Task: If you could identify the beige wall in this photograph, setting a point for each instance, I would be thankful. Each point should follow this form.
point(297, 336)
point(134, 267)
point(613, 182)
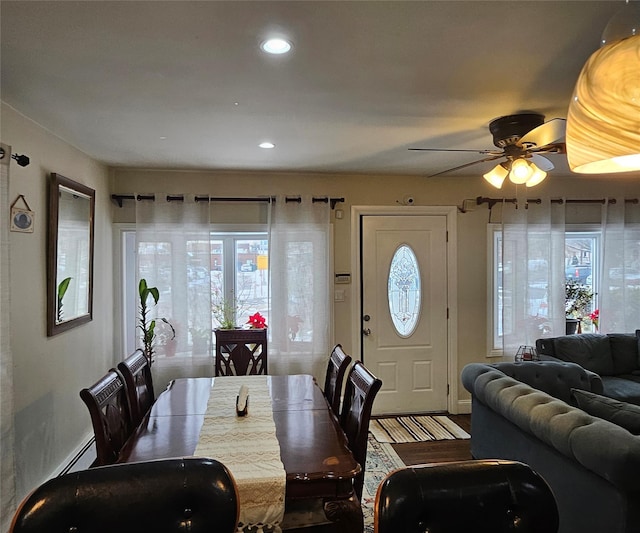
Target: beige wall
point(364, 190)
point(50, 419)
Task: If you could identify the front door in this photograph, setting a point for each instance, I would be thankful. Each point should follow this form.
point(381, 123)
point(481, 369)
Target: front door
point(404, 310)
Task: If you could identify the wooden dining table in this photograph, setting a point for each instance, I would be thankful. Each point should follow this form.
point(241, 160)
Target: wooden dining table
point(319, 466)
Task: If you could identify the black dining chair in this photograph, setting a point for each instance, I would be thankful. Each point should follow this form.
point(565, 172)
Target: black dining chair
point(359, 393)
point(164, 496)
point(110, 413)
point(488, 496)
point(337, 367)
point(136, 371)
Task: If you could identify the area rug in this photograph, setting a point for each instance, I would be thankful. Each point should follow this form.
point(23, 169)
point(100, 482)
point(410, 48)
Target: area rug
point(416, 429)
point(381, 459)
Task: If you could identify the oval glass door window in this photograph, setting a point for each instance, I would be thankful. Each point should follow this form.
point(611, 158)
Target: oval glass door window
point(404, 291)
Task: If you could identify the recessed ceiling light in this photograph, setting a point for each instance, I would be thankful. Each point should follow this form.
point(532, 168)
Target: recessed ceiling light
point(267, 145)
point(276, 46)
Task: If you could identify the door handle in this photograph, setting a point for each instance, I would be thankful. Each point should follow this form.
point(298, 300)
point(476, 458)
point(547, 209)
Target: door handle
point(366, 332)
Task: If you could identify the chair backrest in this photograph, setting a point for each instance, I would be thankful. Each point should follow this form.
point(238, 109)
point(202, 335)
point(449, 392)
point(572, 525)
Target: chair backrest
point(108, 406)
point(336, 369)
point(494, 496)
point(136, 372)
point(164, 496)
point(241, 352)
point(359, 393)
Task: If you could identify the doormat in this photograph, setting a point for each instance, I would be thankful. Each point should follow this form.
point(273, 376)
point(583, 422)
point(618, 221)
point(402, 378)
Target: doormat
point(381, 459)
point(416, 429)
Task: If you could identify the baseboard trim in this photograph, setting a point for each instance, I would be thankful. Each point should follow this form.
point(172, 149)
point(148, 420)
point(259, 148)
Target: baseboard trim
point(464, 407)
point(74, 457)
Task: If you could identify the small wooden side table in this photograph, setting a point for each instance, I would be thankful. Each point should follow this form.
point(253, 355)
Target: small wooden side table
point(241, 352)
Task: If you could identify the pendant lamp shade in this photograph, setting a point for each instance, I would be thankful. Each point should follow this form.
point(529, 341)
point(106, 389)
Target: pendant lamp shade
point(603, 121)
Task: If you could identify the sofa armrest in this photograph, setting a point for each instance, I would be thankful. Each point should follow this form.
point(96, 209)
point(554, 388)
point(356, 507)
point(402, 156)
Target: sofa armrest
point(600, 446)
point(553, 377)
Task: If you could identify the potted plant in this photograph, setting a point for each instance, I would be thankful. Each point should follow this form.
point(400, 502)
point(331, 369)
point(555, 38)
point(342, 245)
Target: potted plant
point(225, 311)
point(146, 324)
point(166, 337)
point(200, 339)
point(578, 298)
point(62, 290)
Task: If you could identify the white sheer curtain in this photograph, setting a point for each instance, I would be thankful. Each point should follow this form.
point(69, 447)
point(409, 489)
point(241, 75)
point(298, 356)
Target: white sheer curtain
point(619, 292)
point(7, 441)
point(533, 277)
point(300, 254)
point(174, 254)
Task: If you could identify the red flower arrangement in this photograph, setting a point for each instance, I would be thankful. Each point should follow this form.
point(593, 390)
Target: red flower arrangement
point(594, 317)
point(257, 321)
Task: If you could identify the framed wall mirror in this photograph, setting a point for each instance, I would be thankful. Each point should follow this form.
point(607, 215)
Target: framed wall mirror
point(69, 254)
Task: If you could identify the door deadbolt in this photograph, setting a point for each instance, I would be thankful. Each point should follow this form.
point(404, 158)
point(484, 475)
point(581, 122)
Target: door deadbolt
point(366, 318)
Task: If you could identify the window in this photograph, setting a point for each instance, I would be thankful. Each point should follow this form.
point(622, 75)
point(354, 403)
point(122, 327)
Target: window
point(189, 274)
point(404, 291)
point(580, 262)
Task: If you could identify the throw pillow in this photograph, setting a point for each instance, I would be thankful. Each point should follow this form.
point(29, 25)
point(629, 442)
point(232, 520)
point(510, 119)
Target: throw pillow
point(589, 350)
point(622, 414)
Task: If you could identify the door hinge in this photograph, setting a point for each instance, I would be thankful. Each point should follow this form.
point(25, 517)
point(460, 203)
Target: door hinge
point(447, 313)
point(447, 389)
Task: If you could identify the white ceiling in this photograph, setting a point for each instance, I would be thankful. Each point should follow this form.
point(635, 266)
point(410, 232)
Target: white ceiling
point(365, 81)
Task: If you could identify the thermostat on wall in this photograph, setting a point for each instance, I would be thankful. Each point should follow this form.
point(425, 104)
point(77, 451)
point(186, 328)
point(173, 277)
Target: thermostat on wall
point(343, 278)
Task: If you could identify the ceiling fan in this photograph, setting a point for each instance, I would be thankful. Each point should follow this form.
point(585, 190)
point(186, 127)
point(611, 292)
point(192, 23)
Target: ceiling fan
point(520, 140)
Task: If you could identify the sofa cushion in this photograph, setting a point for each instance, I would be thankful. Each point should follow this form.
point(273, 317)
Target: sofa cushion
point(590, 351)
point(624, 352)
point(620, 413)
point(625, 388)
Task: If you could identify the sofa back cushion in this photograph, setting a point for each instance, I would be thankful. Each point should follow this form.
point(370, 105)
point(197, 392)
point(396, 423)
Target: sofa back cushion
point(589, 350)
point(554, 378)
point(624, 352)
point(622, 414)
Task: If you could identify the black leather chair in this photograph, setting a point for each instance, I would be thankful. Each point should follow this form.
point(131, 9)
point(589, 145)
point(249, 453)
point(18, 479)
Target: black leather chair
point(483, 496)
point(136, 373)
point(336, 369)
point(110, 413)
point(360, 391)
point(166, 496)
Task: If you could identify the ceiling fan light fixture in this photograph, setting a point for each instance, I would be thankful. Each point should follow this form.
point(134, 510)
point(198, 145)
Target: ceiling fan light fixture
point(496, 176)
point(537, 177)
point(603, 120)
point(521, 171)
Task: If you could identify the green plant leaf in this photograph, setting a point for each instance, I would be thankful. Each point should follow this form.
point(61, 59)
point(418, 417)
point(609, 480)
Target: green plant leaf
point(62, 288)
point(153, 291)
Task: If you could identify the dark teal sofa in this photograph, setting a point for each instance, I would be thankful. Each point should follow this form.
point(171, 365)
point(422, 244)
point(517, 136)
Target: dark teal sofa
point(614, 357)
point(592, 465)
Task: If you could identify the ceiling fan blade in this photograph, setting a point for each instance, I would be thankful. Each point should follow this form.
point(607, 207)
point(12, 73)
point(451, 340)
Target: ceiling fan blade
point(492, 152)
point(548, 133)
point(542, 162)
point(491, 158)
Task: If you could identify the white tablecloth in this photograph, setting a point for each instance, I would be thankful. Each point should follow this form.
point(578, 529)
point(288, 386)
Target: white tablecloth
point(248, 447)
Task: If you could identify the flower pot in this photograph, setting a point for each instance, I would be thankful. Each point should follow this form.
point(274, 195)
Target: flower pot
point(573, 326)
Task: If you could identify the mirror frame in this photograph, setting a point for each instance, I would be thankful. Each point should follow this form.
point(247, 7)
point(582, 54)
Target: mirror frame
point(57, 181)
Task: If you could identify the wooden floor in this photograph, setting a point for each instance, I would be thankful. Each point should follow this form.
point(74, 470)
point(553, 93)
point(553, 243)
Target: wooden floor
point(441, 451)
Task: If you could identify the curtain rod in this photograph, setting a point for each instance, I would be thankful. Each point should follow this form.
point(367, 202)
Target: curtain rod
point(493, 201)
point(119, 198)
